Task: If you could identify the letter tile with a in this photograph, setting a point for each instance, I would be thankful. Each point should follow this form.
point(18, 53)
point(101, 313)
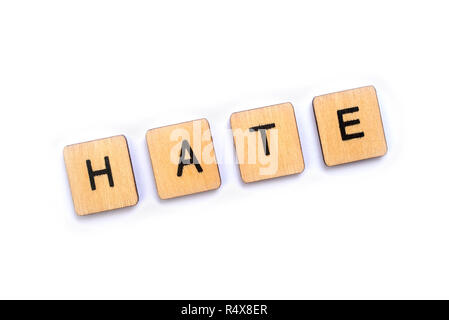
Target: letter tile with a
point(183, 159)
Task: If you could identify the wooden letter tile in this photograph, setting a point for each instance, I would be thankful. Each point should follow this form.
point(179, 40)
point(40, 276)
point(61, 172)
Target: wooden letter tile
point(267, 142)
point(100, 175)
point(350, 126)
point(183, 159)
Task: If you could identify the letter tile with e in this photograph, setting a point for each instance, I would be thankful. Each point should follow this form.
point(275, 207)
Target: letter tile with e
point(100, 175)
point(183, 159)
point(267, 142)
point(350, 125)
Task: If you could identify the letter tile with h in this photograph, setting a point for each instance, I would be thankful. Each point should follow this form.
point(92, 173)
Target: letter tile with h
point(100, 175)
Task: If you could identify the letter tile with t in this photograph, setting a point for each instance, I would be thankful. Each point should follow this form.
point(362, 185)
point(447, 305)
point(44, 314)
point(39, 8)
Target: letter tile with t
point(183, 159)
point(267, 142)
point(100, 175)
point(350, 126)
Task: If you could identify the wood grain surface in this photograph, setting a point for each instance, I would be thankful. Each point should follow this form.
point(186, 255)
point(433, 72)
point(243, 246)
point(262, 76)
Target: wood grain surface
point(350, 125)
point(103, 196)
point(284, 154)
point(165, 144)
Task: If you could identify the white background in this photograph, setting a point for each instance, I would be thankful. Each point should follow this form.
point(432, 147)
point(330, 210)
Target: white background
point(72, 71)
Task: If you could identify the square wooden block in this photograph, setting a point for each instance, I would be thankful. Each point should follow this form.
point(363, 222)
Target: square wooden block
point(183, 159)
point(267, 142)
point(350, 125)
point(100, 175)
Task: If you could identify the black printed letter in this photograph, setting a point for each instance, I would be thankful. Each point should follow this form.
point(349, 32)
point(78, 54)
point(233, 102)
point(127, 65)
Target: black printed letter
point(343, 124)
point(263, 135)
point(93, 174)
point(184, 162)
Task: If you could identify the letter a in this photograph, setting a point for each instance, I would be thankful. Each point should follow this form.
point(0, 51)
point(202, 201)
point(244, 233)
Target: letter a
point(185, 162)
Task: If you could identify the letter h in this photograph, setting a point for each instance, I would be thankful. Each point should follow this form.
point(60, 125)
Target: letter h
point(93, 174)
